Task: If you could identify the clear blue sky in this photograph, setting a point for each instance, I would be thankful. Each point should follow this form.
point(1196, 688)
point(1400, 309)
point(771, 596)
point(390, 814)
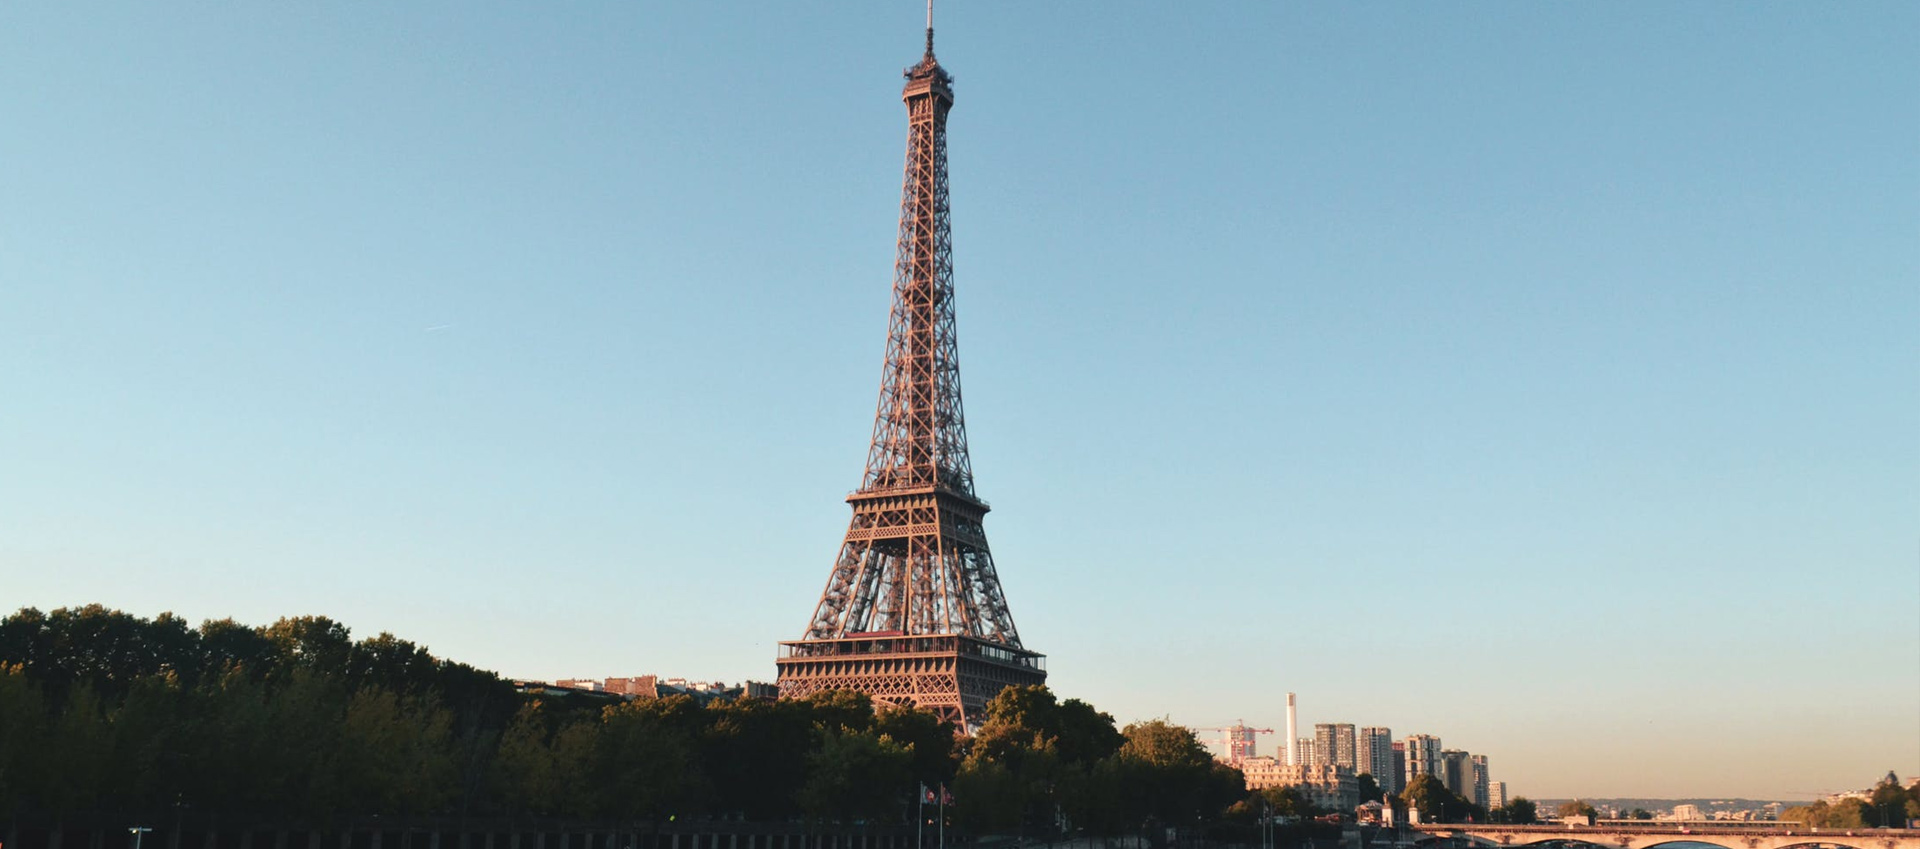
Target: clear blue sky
point(1540, 376)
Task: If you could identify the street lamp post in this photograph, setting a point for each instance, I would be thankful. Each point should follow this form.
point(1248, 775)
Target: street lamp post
point(138, 832)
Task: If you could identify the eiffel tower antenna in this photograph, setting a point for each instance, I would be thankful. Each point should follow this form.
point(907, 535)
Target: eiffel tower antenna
point(913, 612)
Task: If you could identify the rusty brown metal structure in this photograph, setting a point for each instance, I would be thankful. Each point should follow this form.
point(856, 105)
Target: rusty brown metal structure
point(913, 612)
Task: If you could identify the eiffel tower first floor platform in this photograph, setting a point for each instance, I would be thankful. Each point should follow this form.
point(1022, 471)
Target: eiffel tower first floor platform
point(951, 675)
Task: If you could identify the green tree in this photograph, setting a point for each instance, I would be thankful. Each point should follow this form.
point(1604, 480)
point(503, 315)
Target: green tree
point(1576, 808)
point(1020, 738)
point(1223, 785)
point(1247, 810)
point(23, 639)
point(1291, 801)
point(294, 728)
point(1436, 803)
point(392, 663)
point(232, 737)
point(1018, 720)
point(524, 776)
point(576, 789)
point(844, 709)
point(79, 746)
point(858, 775)
point(23, 722)
point(150, 747)
point(482, 705)
point(313, 642)
point(1369, 788)
point(756, 750)
point(648, 761)
point(1887, 804)
point(1165, 745)
point(1428, 797)
point(295, 722)
point(1174, 779)
point(1640, 814)
point(106, 648)
point(1085, 734)
point(1521, 811)
point(1851, 812)
point(395, 753)
point(226, 644)
point(929, 738)
point(988, 797)
point(1814, 815)
point(1098, 803)
point(231, 719)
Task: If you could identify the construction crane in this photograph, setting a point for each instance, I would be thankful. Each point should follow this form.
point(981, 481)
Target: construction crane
point(1238, 740)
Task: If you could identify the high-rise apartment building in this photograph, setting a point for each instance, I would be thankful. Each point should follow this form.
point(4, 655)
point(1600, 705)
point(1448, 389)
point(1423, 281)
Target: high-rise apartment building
point(1481, 792)
point(1240, 743)
point(1333, 744)
point(1456, 772)
point(1496, 794)
point(1423, 756)
point(1400, 766)
point(1304, 752)
point(1375, 755)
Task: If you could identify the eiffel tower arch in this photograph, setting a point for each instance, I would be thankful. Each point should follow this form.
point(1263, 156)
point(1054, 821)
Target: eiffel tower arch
point(913, 612)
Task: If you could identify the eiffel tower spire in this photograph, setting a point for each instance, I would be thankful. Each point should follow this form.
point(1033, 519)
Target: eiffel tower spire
point(919, 432)
point(913, 612)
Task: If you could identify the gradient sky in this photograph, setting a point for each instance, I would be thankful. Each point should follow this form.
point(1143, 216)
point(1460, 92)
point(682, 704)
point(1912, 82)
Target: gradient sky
point(1540, 376)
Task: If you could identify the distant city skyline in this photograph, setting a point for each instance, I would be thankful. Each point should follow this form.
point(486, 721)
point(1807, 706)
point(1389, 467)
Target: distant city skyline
point(1536, 377)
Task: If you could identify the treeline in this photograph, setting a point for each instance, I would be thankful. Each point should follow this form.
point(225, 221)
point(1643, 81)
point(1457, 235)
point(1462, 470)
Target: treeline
point(1430, 796)
point(111, 717)
point(1888, 805)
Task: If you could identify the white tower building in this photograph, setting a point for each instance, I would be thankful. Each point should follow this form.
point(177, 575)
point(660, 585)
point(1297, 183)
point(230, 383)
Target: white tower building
point(1293, 733)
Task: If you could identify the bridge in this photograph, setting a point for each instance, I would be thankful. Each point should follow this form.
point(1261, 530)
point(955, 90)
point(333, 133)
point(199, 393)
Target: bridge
point(1728, 835)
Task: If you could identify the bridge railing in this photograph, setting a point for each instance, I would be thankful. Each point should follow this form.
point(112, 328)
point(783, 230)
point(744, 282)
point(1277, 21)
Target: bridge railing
point(1732, 824)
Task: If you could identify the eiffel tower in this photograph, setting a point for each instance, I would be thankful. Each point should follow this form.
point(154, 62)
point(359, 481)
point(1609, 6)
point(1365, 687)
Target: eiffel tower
point(913, 612)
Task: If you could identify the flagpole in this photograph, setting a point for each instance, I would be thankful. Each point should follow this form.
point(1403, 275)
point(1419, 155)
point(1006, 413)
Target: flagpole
point(920, 819)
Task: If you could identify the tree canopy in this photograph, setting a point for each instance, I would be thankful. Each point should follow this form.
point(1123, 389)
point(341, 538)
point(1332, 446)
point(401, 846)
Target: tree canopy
point(104, 711)
point(1519, 810)
point(1369, 788)
point(1888, 805)
point(1436, 803)
point(1043, 767)
point(1576, 808)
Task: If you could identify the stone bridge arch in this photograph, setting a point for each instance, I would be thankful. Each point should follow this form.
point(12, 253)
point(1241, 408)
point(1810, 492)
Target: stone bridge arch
point(1506, 840)
point(1721, 840)
point(1837, 842)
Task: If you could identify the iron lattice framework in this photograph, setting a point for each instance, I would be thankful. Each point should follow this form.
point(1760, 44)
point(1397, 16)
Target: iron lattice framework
point(913, 612)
